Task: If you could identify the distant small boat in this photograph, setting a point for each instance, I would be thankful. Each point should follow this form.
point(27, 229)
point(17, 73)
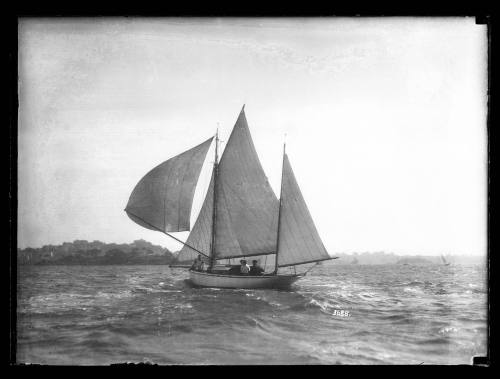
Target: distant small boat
point(444, 261)
point(240, 217)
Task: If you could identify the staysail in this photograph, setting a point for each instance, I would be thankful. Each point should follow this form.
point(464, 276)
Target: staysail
point(201, 235)
point(298, 239)
point(163, 197)
point(247, 208)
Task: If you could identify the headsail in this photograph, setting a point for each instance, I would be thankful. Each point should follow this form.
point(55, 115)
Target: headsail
point(247, 208)
point(298, 240)
point(201, 235)
point(163, 197)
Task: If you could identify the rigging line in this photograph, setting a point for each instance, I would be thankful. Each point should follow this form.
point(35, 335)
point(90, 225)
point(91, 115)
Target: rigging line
point(303, 263)
point(310, 268)
point(164, 232)
point(245, 255)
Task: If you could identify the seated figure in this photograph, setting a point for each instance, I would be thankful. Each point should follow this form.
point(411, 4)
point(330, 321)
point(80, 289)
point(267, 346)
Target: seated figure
point(256, 269)
point(244, 268)
point(198, 264)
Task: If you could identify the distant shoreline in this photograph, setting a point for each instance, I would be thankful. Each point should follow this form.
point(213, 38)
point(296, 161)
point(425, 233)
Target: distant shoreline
point(144, 253)
point(92, 264)
point(96, 253)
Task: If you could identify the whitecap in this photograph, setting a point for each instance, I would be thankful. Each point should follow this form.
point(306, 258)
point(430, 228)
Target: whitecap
point(183, 306)
point(448, 330)
point(412, 289)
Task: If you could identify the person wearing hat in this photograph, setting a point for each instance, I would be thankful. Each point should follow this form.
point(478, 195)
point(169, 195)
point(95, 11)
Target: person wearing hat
point(244, 268)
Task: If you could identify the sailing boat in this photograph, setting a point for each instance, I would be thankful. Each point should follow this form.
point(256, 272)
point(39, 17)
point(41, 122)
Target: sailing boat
point(444, 260)
point(240, 216)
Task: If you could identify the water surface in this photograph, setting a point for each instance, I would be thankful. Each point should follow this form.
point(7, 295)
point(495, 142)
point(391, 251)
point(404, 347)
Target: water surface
point(392, 314)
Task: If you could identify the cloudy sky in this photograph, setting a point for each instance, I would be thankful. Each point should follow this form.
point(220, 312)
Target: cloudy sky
point(385, 122)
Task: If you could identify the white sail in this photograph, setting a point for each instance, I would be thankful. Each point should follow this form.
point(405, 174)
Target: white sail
point(163, 197)
point(240, 213)
point(201, 235)
point(247, 208)
point(298, 240)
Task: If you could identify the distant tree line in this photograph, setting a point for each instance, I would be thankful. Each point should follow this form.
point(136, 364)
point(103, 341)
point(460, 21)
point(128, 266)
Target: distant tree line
point(81, 252)
point(382, 257)
point(140, 252)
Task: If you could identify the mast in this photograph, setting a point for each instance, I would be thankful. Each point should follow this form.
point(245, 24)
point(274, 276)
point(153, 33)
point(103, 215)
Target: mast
point(279, 214)
point(214, 208)
point(239, 214)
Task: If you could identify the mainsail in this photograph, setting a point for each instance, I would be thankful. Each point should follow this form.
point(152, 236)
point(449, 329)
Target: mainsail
point(298, 239)
point(247, 208)
point(163, 197)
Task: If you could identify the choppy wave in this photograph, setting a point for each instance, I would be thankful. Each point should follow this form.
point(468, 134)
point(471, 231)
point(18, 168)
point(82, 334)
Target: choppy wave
point(335, 315)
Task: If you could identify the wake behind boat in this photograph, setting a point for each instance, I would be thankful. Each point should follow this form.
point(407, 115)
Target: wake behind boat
point(240, 217)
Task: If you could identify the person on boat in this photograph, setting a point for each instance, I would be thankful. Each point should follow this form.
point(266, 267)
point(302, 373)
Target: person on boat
point(198, 264)
point(244, 268)
point(256, 269)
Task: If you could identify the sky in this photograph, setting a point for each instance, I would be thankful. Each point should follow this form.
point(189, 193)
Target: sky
point(385, 122)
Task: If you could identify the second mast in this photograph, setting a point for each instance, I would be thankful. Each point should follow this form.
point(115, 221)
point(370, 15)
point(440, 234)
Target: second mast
point(214, 208)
